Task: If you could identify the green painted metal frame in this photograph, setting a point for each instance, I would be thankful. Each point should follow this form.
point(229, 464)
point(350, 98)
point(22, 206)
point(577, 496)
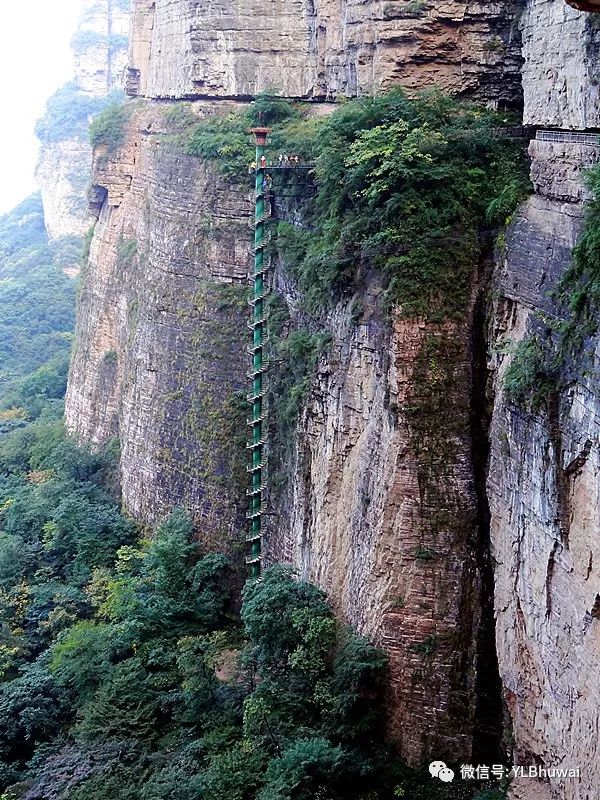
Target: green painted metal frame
point(257, 397)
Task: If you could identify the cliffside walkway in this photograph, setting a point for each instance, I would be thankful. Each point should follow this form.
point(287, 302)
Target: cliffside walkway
point(573, 137)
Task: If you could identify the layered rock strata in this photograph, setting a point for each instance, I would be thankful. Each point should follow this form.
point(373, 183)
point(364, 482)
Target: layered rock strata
point(159, 360)
point(382, 511)
point(100, 45)
point(542, 485)
point(561, 70)
point(544, 498)
point(317, 49)
point(63, 171)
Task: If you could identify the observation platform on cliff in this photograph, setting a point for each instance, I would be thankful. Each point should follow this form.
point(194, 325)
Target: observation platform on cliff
point(283, 167)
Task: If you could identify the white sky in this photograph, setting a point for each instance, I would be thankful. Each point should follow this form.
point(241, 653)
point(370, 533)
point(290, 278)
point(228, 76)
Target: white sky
point(35, 60)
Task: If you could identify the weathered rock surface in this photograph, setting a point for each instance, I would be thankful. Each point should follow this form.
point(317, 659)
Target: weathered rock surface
point(381, 511)
point(159, 354)
point(64, 166)
point(545, 500)
point(561, 71)
point(62, 173)
point(100, 45)
point(321, 49)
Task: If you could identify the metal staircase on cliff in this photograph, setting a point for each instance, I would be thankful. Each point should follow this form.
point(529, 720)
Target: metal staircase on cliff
point(257, 398)
point(257, 375)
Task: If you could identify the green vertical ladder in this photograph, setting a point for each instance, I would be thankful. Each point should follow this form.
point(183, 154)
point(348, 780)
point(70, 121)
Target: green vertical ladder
point(257, 397)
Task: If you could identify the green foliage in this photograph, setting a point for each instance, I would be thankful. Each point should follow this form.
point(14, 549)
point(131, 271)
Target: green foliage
point(287, 640)
point(579, 289)
point(405, 185)
point(37, 311)
point(180, 117)
point(415, 7)
point(532, 374)
point(227, 140)
point(298, 354)
point(427, 647)
point(126, 251)
point(108, 128)
point(424, 554)
point(305, 769)
point(127, 695)
point(68, 112)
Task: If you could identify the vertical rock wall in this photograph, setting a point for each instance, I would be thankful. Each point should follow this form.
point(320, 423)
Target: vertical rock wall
point(159, 352)
point(543, 473)
point(319, 49)
point(381, 510)
point(64, 166)
point(100, 45)
point(62, 173)
point(561, 70)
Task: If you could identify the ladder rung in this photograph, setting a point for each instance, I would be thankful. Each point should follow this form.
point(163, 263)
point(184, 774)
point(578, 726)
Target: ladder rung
point(258, 371)
point(256, 395)
point(261, 442)
point(254, 323)
point(252, 492)
point(257, 512)
point(252, 301)
point(256, 347)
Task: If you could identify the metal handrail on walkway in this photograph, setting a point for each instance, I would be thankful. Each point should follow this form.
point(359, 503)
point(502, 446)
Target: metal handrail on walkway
point(574, 137)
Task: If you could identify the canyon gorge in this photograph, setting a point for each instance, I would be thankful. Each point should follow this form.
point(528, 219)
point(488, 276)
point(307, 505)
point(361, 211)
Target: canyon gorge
point(453, 526)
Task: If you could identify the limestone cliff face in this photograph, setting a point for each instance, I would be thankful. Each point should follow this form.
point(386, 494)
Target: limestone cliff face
point(100, 45)
point(159, 355)
point(544, 500)
point(321, 49)
point(62, 173)
point(64, 165)
point(561, 71)
point(382, 511)
point(543, 472)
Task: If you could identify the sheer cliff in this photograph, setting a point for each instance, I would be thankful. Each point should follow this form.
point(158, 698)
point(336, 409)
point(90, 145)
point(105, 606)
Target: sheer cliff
point(160, 357)
point(408, 454)
point(542, 482)
point(165, 52)
point(319, 49)
point(64, 167)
